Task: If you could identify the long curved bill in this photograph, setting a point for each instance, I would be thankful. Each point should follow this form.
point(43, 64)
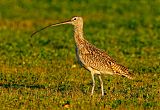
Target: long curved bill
point(66, 22)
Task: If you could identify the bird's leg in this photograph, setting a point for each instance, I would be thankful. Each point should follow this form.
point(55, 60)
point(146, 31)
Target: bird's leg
point(101, 84)
point(93, 83)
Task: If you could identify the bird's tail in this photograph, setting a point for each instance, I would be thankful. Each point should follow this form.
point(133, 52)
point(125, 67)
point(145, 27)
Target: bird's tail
point(123, 71)
point(129, 75)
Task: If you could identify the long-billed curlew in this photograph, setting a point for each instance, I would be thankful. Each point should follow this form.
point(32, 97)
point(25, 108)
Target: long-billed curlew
point(93, 59)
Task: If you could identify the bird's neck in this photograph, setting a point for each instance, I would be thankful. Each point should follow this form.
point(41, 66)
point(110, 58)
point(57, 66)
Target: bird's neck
point(78, 35)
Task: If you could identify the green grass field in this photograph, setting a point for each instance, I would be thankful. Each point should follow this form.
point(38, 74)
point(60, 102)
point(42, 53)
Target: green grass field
point(46, 75)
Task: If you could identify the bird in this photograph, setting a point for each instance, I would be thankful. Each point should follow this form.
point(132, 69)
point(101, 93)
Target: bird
point(95, 60)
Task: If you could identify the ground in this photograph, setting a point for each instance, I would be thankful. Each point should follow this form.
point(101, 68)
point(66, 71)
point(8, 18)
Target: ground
point(42, 72)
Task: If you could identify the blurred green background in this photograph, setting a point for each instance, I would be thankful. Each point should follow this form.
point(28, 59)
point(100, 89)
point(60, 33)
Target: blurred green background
point(42, 72)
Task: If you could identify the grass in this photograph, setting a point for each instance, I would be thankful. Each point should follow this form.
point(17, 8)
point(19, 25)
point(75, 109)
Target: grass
point(46, 75)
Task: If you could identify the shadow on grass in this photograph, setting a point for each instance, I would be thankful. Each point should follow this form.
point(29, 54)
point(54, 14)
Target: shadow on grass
point(36, 86)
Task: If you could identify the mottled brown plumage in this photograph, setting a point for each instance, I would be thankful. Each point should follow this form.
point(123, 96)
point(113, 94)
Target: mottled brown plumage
point(95, 60)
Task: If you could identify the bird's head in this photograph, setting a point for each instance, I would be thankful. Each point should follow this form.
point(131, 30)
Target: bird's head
point(76, 21)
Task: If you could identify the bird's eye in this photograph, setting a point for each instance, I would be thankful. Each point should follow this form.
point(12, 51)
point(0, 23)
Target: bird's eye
point(74, 19)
